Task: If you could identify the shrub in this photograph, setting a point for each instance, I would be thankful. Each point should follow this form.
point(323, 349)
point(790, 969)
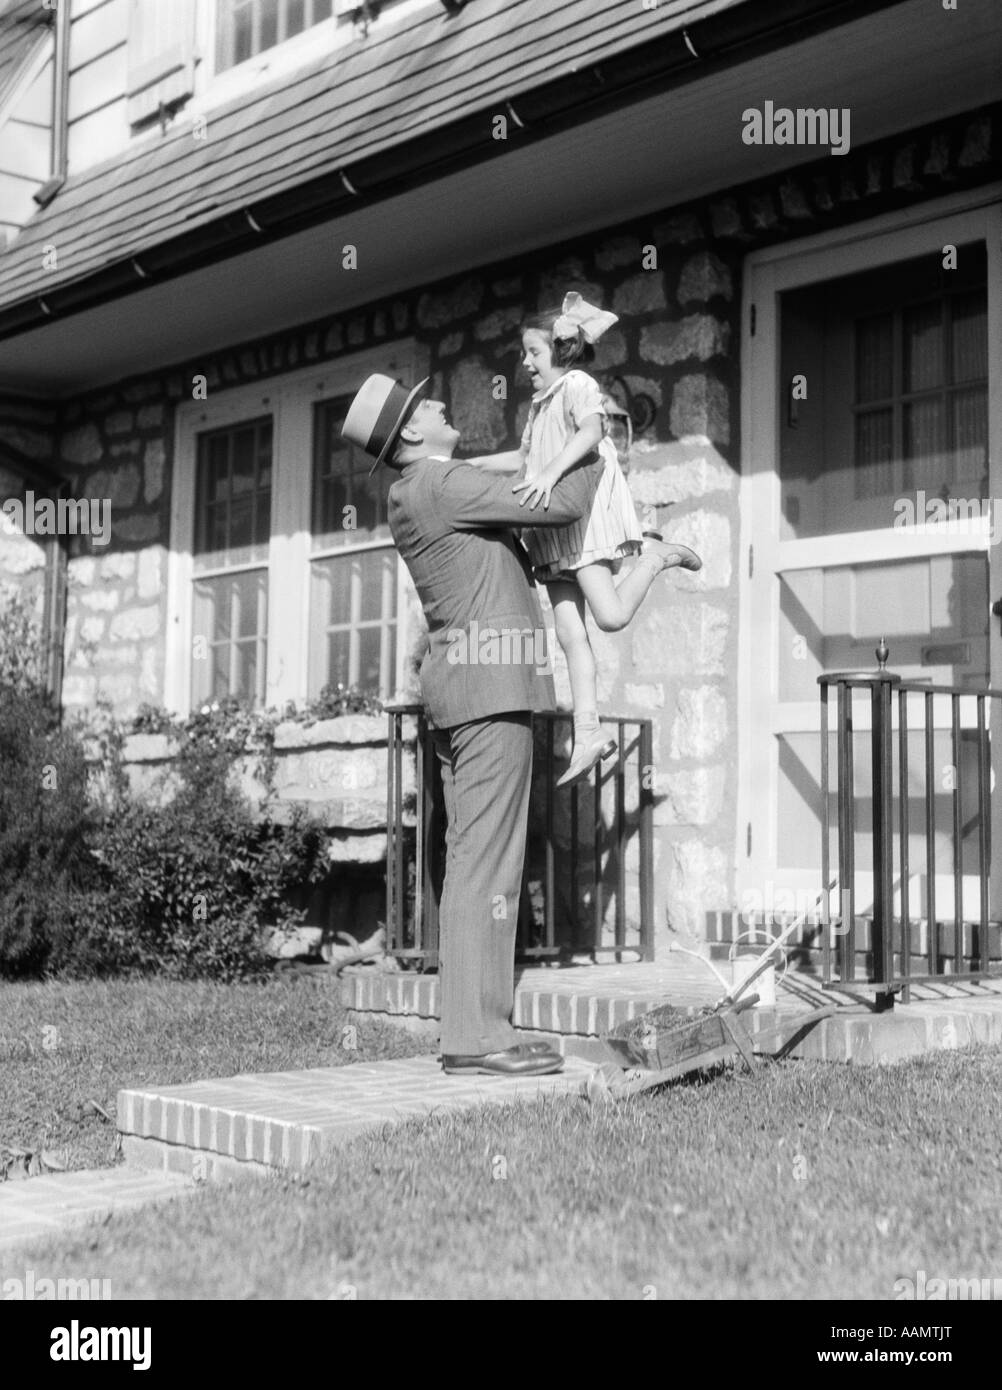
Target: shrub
point(190, 889)
point(44, 809)
point(22, 649)
point(335, 700)
point(194, 888)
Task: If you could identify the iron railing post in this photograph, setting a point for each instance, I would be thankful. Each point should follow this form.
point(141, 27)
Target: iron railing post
point(826, 922)
point(883, 828)
point(646, 795)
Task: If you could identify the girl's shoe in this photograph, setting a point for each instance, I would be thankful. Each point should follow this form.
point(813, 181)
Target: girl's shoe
point(585, 755)
point(673, 555)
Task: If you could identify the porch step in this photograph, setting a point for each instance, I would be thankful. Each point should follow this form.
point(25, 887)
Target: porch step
point(575, 1006)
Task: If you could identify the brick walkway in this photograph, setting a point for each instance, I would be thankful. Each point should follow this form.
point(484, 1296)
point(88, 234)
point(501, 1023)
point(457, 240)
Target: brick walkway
point(246, 1124)
point(46, 1205)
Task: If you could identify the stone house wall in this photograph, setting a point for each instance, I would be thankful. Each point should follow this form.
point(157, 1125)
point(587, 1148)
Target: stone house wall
point(677, 343)
point(27, 435)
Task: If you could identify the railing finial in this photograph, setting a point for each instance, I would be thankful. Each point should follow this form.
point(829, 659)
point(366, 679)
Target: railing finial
point(882, 653)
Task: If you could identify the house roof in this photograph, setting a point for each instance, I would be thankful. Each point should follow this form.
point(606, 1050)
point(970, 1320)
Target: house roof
point(24, 26)
point(398, 85)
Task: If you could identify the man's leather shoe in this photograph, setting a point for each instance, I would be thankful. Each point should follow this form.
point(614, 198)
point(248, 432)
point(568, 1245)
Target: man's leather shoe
point(524, 1059)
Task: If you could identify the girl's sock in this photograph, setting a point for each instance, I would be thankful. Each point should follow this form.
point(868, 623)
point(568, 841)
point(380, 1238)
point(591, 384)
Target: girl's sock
point(585, 725)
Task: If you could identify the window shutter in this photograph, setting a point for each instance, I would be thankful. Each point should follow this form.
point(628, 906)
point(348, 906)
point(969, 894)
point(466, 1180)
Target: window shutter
point(161, 55)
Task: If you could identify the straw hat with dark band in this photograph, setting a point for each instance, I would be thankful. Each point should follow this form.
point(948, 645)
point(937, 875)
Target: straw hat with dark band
point(378, 414)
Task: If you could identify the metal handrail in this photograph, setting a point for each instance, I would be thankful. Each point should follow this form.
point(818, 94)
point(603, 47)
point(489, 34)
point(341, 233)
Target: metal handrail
point(891, 931)
point(413, 934)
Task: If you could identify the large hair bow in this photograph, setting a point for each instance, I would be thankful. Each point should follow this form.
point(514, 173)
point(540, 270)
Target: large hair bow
point(576, 313)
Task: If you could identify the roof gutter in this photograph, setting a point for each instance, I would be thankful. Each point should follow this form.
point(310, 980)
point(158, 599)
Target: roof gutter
point(730, 37)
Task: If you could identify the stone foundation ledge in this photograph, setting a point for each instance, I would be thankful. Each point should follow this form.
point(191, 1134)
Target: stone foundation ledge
point(334, 768)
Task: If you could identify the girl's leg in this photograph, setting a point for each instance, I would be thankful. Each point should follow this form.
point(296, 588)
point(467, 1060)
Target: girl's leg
point(613, 605)
point(590, 743)
point(569, 621)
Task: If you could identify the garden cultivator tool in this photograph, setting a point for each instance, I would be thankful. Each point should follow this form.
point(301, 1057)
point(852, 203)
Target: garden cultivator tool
point(667, 1042)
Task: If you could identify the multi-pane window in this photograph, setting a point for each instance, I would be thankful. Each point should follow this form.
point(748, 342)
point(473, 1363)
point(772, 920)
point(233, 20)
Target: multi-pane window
point(353, 585)
point(921, 411)
point(232, 532)
point(885, 385)
point(248, 27)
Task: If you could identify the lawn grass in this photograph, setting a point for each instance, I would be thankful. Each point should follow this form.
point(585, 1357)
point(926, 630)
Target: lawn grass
point(65, 1047)
point(805, 1181)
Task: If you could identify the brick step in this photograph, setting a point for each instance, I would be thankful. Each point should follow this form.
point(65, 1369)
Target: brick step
point(249, 1125)
point(575, 1007)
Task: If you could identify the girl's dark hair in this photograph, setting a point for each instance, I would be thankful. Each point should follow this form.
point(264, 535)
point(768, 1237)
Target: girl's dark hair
point(565, 352)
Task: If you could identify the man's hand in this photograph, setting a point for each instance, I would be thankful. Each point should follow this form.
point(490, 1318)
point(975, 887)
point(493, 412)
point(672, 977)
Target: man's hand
point(539, 489)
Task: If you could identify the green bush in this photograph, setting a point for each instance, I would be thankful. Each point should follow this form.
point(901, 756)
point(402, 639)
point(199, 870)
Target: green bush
point(45, 813)
point(193, 889)
point(189, 889)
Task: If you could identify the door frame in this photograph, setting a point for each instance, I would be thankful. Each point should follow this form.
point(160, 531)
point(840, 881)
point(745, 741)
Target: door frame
point(972, 215)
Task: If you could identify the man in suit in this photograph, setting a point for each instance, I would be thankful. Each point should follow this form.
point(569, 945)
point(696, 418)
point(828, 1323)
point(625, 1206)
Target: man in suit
point(481, 679)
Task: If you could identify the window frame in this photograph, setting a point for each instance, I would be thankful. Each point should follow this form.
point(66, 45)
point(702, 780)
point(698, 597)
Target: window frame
point(290, 400)
point(216, 86)
point(224, 21)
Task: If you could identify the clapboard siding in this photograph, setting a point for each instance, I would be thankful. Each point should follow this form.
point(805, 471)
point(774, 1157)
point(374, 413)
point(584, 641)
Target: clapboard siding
point(35, 106)
point(83, 7)
point(97, 32)
point(98, 126)
point(25, 145)
point(24, 150)
point(97, 85)
point(92, 137)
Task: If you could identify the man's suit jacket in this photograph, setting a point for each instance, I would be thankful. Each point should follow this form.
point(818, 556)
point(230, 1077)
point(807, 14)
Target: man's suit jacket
point(452, 523)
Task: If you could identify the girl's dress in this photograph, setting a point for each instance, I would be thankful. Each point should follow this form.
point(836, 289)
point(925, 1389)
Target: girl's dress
point(612, 530)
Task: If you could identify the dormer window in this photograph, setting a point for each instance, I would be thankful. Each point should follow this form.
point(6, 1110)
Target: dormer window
point(248, 27)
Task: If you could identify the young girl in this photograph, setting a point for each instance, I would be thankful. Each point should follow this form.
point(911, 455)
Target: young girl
point(566, 423)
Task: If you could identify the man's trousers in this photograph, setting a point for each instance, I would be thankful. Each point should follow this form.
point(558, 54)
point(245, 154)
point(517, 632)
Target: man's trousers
point(486, 773)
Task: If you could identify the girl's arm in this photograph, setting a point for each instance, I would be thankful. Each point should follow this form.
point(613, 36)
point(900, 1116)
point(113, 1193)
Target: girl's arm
point(583, 442)
point(510, 462)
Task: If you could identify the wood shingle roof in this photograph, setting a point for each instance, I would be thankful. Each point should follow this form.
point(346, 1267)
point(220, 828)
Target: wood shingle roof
point(401, 83)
